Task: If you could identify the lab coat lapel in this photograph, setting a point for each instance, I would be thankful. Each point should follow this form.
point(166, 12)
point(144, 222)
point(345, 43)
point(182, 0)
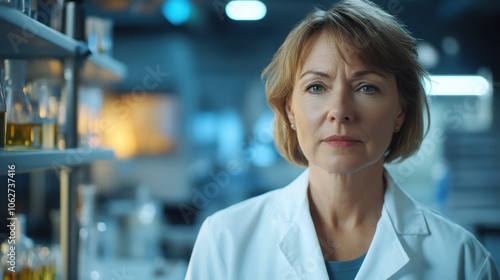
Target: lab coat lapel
point(299, 244)
point(301, 248)
point(400, 216)
point(386, 255)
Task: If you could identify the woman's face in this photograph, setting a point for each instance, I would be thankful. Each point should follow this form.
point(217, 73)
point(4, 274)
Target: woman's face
point(345, 113)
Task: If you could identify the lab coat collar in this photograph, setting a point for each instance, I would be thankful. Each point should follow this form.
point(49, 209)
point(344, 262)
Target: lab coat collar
point(405, 213)
point(300, 246)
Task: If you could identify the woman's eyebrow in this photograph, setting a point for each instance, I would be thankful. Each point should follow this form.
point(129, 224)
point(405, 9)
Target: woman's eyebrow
point(355, 75)
point(367, 72)
point(316, 73)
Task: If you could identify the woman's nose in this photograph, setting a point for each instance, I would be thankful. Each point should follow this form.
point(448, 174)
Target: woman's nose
point(340, 106)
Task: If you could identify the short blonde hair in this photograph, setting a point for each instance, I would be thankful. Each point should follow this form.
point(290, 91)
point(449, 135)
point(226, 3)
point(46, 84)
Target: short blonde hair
point(380, 41)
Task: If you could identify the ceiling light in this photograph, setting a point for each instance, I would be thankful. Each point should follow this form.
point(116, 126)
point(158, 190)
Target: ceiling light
point(176, 12)
point(457, 85)
point(246, 10)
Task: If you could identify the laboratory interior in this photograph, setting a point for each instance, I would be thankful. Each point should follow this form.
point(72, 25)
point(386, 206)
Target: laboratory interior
point(135, 120)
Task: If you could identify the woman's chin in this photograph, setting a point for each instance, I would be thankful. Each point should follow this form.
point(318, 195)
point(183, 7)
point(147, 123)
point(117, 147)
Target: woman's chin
point(343, 166)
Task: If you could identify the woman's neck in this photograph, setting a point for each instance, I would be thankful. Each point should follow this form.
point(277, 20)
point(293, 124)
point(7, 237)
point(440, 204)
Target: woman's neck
point(346, 201)
point(345, 209)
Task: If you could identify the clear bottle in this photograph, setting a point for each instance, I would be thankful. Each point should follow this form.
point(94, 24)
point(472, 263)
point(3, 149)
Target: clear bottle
point(87, 233)
point(22, 130)
point(144, 226)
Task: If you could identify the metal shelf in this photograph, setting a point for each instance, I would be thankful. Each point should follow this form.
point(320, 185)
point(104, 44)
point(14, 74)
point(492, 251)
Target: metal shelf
point(24, 38)
point(26, 161)
point(103, 70)
point(97, 70)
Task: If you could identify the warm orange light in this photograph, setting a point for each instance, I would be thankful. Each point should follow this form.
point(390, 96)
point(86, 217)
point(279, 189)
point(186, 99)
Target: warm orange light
point(140, 125)
point(123, 141)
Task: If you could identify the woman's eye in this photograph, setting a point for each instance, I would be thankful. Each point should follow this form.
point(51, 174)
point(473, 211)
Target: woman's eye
point(368, 89)
point(315, 88)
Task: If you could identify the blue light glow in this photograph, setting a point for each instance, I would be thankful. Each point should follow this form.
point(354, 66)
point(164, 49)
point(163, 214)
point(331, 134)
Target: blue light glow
point(177, 12)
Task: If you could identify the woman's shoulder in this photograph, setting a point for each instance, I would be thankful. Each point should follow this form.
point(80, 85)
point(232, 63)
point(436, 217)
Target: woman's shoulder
point(433, 228)
point(242, 224)
point(449, 231)
point(456, 244)
point(433, 238)
point(408, 212)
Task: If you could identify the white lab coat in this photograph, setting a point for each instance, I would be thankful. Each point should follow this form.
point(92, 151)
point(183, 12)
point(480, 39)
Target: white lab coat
point(272, 236)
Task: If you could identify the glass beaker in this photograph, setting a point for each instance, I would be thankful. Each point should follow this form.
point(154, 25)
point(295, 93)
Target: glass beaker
point(46, 95)
point(22, 129)
point(90, 102)
point(42, 263)
point(99, 33)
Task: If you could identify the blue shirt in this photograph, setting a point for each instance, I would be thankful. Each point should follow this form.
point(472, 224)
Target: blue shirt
point(344, 270)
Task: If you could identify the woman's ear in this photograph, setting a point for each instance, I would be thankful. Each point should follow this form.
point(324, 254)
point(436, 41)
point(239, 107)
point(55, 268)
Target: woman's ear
point(400, 117)
point(289, 111)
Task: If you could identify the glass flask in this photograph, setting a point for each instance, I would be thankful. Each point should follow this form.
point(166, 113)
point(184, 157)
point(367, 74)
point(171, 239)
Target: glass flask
point(23, 132)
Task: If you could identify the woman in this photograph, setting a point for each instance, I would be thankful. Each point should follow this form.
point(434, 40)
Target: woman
point(346, 90)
